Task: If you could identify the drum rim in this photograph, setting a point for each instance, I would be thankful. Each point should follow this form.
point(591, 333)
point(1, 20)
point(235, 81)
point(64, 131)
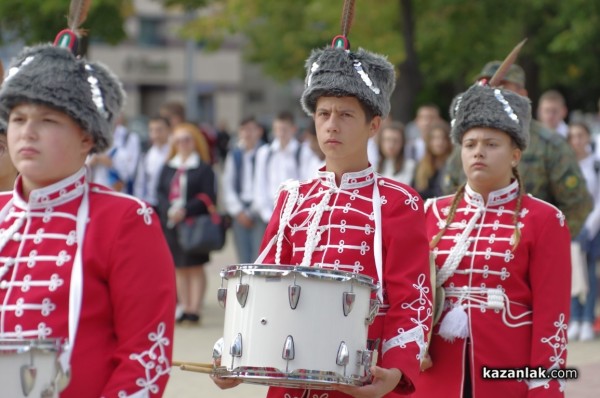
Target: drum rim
point(21, 346)
point(307, 272)
point(299, 378)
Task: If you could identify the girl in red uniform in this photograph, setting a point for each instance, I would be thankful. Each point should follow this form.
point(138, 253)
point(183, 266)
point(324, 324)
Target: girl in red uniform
point(502, 259)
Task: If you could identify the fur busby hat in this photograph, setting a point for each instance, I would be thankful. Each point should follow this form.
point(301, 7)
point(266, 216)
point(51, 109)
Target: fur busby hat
point(338, 72)
point(54, 76)
point(486, 105)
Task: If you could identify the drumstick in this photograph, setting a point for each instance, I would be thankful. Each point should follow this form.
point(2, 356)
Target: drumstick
point(196, 364)
point(196, 368)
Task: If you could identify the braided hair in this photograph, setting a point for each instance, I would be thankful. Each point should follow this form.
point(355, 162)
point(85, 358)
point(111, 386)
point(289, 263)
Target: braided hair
point(459, 195)
point(517, 232)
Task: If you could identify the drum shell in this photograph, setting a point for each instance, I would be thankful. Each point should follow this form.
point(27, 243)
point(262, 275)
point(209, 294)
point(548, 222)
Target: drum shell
point(16, 356)
point(317, 326)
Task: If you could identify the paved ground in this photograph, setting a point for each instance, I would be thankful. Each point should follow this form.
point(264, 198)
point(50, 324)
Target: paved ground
point(194, 344)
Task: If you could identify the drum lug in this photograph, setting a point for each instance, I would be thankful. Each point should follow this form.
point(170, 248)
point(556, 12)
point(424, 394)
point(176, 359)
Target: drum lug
point(348, 302)
point(236, 347)
point(343, 355)
point(294, 295)
point(289, 350)
point(218, 349)
point(365, 358)
point(373, 310)
point(222, 296)
point(241, 292)
point(28, 376)
point(62, 378)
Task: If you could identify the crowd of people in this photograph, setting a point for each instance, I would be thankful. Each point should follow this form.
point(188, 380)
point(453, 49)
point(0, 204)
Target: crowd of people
point(498, 202)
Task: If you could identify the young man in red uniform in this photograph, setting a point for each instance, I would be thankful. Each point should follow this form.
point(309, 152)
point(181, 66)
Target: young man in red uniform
point(351, 219)
point(78, 261)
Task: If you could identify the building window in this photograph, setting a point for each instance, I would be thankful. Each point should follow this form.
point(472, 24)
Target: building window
point(151, 32)
point(206, 108)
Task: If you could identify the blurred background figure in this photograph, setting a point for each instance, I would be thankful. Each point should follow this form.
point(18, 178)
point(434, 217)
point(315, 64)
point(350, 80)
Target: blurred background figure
point(583, 311)
point(116, 168)
point(313, 157)
point(238, 190)
point(393, 162)
point(275, 163)
point(415, 130)
point(146, 182)
point(429, 170)
point(175, 112)
point(223, 140)
point(8, 172)
point(186, 174)
point(552, 111)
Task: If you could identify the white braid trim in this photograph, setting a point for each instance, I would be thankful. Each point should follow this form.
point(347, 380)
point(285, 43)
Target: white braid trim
point(415, 334)
point(457, 253)
point(292, 187)
point(312, 234)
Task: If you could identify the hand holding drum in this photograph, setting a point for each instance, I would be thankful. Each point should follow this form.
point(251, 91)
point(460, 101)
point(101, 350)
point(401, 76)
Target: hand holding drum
point(384, 381)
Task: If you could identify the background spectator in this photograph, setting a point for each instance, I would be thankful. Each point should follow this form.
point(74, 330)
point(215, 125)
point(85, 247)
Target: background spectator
point(429, 171)
point(186, 175)
point(393, 162)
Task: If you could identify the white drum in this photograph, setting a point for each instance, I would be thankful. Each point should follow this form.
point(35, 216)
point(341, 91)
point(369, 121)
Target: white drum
point(29, 368)
point(296, 326)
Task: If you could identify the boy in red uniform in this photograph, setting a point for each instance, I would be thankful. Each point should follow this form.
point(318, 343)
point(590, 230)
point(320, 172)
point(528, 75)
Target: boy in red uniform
point(351, 219)
point(78, 261)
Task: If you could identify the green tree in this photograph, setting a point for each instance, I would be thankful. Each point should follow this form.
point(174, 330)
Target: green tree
point(438, 46)
point(35, 21)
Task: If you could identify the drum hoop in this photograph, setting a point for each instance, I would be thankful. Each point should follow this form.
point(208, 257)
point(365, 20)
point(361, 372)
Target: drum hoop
point(268, 270)
point(22, 346)
point(299, 378)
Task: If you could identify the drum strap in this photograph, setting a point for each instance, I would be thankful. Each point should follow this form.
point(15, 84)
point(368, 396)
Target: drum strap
point(76, 286)
point(378, 238)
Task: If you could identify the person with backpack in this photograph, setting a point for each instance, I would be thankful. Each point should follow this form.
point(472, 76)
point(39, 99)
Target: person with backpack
point(238, 190)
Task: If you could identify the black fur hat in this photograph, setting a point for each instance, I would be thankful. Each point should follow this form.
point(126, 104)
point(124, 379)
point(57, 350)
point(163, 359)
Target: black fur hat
point(53, 76)
point(485, 106)
point(338, 72)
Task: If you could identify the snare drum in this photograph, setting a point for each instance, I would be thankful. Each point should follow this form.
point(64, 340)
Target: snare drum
point(29, 368)
point(294, 326)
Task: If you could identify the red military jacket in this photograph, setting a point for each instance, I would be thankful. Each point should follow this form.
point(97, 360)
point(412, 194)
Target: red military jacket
point(124, 337)
point(517, 301)
point(320, 224)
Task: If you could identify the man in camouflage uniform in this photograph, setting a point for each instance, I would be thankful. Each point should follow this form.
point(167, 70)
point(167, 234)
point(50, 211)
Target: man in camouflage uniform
point(548, 167)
